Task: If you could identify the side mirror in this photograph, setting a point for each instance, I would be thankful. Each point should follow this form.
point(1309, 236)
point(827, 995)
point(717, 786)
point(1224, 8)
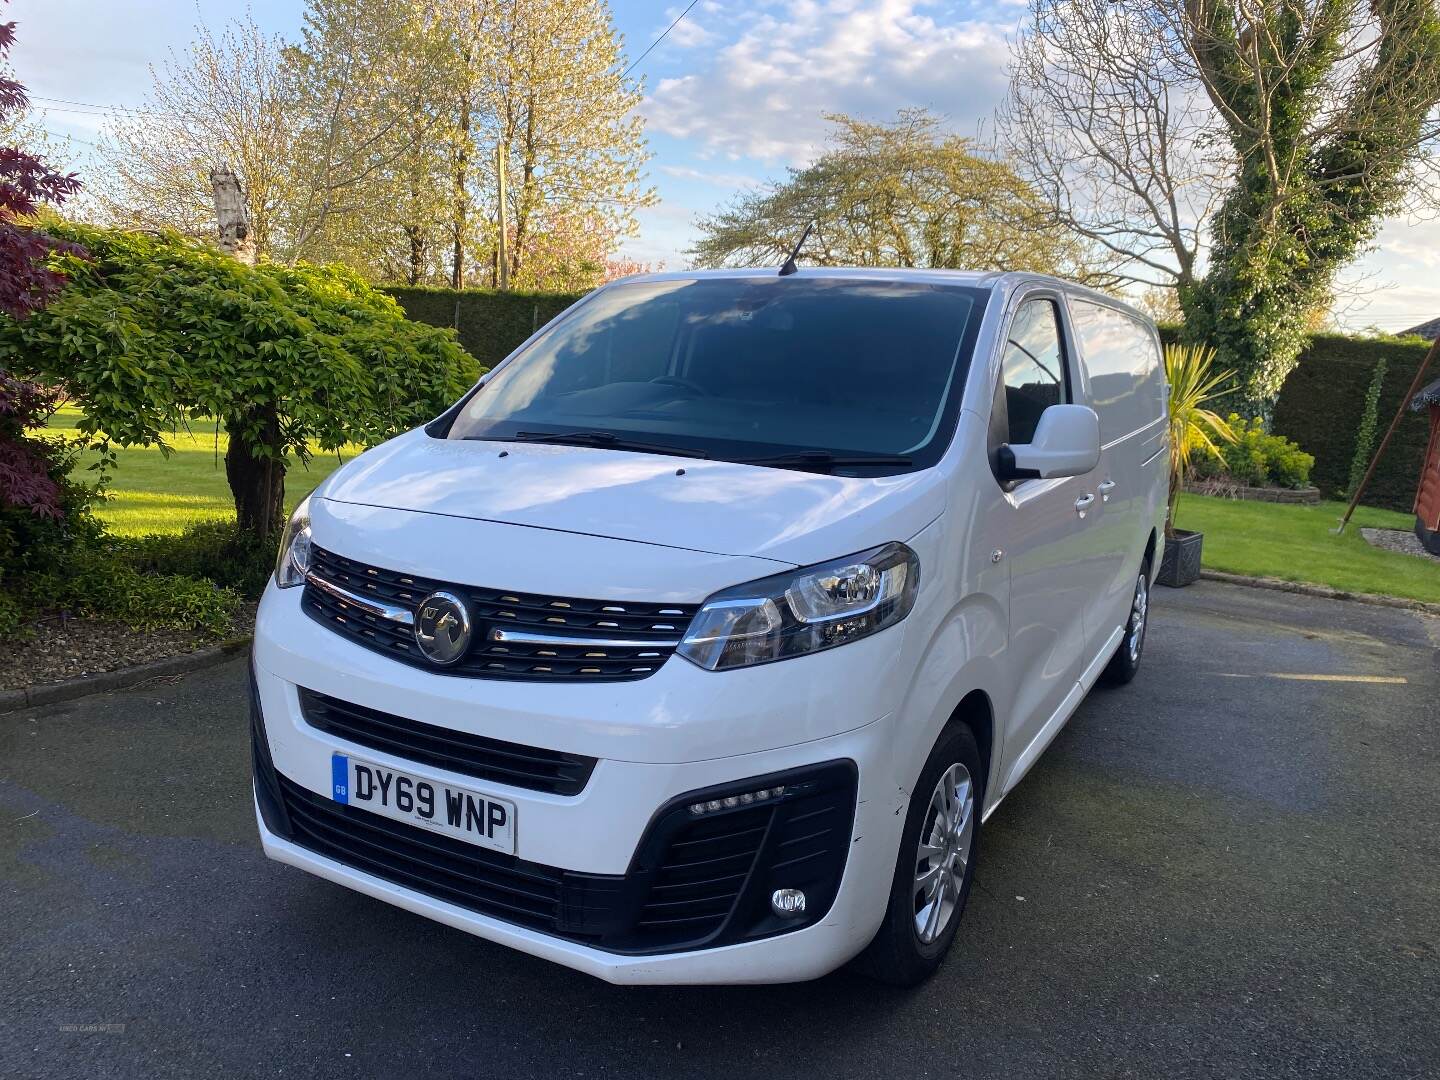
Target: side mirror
point(1066, 443)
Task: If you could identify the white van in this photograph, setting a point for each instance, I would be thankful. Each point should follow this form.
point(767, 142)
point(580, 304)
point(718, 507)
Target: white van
point(695, 643)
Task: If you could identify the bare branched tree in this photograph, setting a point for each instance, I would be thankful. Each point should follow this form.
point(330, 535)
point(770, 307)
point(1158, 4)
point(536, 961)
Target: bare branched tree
point(1322, 112)
point(376, 139)
point(1106, 121)
point(225, 102)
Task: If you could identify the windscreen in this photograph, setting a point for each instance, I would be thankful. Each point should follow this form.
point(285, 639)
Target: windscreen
point(742, 368)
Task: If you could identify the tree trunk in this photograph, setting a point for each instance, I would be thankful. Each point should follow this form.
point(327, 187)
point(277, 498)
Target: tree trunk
point(417, 255)
point(502, 165)
point(232, 217)
point(255, 468)
point(462, 199)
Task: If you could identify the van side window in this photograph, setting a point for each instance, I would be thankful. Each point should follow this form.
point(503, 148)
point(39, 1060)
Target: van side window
point(1033, 368)
point(1127, 380)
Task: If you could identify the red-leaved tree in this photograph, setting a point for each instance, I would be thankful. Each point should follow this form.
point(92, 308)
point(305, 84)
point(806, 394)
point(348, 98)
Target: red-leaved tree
point(27, 472)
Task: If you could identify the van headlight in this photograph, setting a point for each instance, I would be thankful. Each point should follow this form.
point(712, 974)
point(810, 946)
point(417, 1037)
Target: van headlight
point(804, 611)
point(293, 562)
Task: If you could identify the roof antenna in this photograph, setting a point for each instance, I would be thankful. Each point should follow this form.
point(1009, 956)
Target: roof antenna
point(790, 267)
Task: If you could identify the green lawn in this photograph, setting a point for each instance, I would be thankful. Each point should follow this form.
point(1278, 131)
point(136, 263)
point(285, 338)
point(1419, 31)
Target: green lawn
point(1295, 543)
point(154, 493)
point(151, 493)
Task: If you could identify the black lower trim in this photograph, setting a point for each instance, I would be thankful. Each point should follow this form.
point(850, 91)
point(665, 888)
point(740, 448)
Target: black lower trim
point(473, 755)
point(696, 880)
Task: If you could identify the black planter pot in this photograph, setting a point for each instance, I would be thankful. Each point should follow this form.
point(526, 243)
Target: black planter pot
point(1180, 565)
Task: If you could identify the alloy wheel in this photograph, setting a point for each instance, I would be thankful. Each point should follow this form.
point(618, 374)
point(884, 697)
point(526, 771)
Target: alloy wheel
point(944, 852)
point(1139, 609)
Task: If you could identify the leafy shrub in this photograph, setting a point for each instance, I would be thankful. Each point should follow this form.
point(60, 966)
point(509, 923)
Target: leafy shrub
point(217, 551)
point(12, 616)
point(43, 512)
point(154, 329)
point(58, 558)
point(190, 582)
point(1257, 459)
point(98, 582)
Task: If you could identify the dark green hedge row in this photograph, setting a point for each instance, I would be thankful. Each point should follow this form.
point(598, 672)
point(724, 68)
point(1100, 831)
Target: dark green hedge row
point(1319, 406)
point(490, 323)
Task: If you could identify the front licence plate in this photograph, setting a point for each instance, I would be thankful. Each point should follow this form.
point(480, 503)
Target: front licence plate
point(466, 815)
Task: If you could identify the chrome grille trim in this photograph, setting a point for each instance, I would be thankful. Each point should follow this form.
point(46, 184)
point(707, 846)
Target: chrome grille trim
point(393, 612)
point(498, 634)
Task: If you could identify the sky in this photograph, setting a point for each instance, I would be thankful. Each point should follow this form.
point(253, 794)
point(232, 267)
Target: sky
point(733, 94)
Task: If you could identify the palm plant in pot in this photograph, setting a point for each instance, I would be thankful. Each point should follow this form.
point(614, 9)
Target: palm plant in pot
point(1194, 430)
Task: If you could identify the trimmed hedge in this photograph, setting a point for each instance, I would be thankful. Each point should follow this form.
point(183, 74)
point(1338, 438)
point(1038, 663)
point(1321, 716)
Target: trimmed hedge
point(490, 323)
point(1321, 404)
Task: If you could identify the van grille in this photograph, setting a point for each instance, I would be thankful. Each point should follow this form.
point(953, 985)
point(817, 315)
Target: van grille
point(653, 627)
point(458, 751)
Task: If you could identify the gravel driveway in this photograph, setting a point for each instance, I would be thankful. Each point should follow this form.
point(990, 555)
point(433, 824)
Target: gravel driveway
point(1230, 868)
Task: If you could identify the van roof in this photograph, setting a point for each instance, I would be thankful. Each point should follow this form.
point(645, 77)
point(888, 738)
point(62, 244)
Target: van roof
point(976, 279)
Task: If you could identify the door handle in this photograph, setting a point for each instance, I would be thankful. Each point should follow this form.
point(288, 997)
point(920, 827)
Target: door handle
point(1082, 504)
point(1105, 489)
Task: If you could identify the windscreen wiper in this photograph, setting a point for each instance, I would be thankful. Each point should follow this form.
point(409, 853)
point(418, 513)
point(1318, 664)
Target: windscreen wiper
point(606, 440)
point(824, 459)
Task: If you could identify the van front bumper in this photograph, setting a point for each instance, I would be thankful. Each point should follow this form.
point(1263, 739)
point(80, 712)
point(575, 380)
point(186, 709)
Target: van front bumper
point(593, 868)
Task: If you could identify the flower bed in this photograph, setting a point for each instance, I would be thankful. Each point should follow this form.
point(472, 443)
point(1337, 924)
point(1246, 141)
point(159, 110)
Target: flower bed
point(1257, 466)
point(1228, 489)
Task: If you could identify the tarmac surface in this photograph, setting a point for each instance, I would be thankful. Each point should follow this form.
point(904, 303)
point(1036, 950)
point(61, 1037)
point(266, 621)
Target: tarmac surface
point(1230, 868)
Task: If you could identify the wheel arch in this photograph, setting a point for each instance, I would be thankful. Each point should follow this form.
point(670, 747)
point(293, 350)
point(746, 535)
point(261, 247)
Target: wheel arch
point(977, 712)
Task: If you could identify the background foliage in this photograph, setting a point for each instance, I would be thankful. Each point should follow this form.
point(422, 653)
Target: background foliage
point(1257, 458)
point(1368, 430)
point(1242, 153)
point(155, 330)
point(1322, 403)
point(489, 323)
point(377, 137)
point(1322, 408)
point(903, 193)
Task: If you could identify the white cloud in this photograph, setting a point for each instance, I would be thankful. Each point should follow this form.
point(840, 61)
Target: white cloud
point(764, 94)
point(664, 234)
point(1392, 285)
point(715, 179)
point(1409, 251)
point(688, 33)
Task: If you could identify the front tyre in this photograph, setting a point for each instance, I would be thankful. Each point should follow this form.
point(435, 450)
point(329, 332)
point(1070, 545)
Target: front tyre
point(935, 867)
point(1126, 661)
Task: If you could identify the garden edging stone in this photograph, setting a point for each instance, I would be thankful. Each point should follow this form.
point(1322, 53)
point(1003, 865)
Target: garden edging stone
point(1307, 589)
point(121, 678)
